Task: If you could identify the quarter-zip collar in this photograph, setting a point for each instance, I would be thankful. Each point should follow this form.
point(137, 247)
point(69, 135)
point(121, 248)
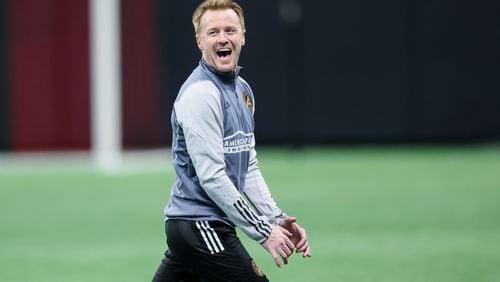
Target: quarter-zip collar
point(226, 77)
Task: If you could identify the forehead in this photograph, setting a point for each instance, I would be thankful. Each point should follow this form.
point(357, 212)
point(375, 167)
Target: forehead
point(216, 18)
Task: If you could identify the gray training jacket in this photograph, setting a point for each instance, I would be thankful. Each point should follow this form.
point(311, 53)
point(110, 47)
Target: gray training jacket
point(214, 158)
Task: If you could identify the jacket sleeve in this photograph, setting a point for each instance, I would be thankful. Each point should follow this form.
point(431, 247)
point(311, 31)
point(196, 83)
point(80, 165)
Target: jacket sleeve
point(258, 194)
point(199, 113)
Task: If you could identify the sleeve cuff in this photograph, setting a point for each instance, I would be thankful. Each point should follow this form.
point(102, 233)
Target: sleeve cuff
point(278, 219)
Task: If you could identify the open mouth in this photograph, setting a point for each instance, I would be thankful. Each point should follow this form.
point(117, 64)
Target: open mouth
point(224, 52)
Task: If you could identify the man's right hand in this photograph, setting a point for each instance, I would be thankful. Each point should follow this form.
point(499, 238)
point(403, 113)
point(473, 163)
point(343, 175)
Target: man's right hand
point(279, 245)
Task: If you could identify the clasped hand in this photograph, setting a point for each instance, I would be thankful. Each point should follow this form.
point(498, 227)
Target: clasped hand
point(286, 238)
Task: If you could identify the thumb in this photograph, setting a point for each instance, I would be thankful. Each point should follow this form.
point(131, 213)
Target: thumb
point(288, 221)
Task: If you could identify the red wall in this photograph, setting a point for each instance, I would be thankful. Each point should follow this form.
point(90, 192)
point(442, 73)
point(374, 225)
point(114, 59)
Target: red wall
point(142, 120)
point(49, 75)
point(48, 48)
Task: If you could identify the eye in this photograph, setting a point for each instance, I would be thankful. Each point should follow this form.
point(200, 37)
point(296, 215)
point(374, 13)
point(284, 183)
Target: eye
point(212, 32)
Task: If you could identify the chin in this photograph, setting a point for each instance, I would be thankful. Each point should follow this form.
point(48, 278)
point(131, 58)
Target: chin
point(225, 68)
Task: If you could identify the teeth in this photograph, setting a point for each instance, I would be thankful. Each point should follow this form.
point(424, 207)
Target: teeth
point(224, 50)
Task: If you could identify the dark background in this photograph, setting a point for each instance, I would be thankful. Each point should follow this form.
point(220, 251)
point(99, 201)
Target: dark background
point(341, 72)
point(360, 71)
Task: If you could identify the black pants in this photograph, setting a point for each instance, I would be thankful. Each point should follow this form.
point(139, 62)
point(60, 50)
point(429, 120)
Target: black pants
point(205, 251)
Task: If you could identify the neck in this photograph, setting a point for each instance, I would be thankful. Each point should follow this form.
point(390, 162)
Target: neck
point(226, 76)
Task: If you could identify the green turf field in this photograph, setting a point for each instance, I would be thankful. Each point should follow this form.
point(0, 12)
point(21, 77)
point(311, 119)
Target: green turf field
point(372, 214)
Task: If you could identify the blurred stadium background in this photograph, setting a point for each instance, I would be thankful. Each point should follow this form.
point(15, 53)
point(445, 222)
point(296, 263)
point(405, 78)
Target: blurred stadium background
point(378, 126)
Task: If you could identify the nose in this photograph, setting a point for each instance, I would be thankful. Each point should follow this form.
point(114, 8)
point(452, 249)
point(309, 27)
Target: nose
point(222, 39)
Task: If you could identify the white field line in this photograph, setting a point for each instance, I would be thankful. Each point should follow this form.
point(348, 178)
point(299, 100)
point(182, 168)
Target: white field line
point(141, 161)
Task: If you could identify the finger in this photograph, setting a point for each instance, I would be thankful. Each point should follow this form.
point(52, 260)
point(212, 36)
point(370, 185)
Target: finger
point(276, 260)
point(286, 246)
point(307, 253)
point(304, 248)
point(303, 237)
point(301, 245)
point(289, 244)
point(284, 231)
point(284, 256)
point(287, 250)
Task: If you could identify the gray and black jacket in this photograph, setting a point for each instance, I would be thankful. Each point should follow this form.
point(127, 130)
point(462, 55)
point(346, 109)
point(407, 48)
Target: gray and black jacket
point(214, 158)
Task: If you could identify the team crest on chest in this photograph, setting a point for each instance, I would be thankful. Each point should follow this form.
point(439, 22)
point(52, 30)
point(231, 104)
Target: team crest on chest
point(248, 101)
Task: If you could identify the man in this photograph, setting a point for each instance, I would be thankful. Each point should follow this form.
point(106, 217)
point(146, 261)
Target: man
point(216, 166)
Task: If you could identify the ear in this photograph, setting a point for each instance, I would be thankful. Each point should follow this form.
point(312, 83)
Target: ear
point(243, 41)
point(198, 42)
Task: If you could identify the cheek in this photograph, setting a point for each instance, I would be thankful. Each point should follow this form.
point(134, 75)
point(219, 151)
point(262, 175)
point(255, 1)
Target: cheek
point(204, 44)
point(207, 45)
point(240, 47)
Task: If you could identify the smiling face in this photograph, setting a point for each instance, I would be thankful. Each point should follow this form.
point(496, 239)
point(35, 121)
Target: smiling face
point(220, 39)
